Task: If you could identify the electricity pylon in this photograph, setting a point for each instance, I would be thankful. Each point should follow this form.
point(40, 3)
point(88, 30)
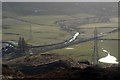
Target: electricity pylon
point(95, 52)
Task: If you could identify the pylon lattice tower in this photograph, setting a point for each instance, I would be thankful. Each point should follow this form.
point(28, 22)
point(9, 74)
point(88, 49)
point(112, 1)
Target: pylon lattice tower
point(95, 52)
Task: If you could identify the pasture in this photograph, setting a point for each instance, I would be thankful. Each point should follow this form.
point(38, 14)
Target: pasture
point(48, 32)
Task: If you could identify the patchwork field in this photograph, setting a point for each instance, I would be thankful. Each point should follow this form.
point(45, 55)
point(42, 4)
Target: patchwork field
point(85, 50)
point(47, 32)
point(44, 31)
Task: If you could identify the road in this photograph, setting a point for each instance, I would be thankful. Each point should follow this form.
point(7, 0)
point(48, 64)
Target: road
point(45, 48)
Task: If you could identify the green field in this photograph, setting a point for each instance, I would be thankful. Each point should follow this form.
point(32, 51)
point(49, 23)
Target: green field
point(84, 51)
point(48, 33)
point(40, 34)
